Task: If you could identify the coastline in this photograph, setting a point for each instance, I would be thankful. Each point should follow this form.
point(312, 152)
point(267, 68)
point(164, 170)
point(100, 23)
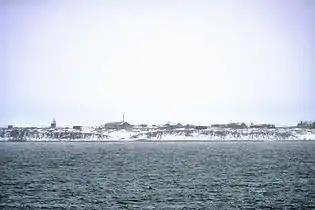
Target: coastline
point(160, 141)
point(155, 134)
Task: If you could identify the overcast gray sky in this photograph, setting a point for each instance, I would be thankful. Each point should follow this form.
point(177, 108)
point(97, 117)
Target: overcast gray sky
point(203, 62)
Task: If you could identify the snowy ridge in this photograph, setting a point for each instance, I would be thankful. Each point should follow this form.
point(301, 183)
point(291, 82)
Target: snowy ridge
point(210, 134)
point(228, 134)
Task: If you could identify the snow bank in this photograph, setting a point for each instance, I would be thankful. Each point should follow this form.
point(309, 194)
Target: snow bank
point(210, 134)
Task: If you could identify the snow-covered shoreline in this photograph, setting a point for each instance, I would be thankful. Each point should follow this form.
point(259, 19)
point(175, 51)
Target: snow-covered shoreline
point(211, 134)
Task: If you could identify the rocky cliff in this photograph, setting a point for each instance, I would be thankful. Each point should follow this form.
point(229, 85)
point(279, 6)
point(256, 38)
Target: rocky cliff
point(61, 134)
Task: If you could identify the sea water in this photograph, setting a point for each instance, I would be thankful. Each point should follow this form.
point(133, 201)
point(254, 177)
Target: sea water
point(156, 175)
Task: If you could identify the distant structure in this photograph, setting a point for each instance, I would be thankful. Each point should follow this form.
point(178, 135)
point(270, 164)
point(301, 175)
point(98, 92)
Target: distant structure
point(77, 127)
point(123, 117)
point(53, 124)
point(230, 125)
point(268, 126)
point(189, 126)
point(306, 124)
point(237, 125)
point(171, 126)
point(143, 125)
point(10, 126)
point(118, 125)
point(201, 127)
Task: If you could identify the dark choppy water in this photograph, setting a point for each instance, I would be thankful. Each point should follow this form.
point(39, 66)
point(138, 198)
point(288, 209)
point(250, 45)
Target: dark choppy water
point(133, 175)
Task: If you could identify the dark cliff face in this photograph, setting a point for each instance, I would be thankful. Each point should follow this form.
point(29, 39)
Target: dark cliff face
point(222, 134)
point(98, 134)
point(18, 134)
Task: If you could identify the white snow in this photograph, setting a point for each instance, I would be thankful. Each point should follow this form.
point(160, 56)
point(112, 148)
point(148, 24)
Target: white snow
point(89, 134)
point(121, 134)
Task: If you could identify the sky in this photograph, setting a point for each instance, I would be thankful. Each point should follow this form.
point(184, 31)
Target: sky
point(188, 61)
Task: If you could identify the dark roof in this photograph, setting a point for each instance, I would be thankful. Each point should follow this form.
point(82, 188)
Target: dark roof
point(116, 123)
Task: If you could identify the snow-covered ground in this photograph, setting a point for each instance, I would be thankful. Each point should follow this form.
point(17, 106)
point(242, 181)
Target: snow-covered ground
point(211, 134)
point(229, 134)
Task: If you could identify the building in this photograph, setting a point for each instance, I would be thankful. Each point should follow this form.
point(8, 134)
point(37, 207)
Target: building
point(218, 126)
point(143, 126)
point(268, 126)
point(237, 125)
point(306, 124)
point(171, 126)
point(201, 127)
point(53, 124)
point(189, 126)
point(118, 125)
point(78, 127)
point(230, 125)
point(10, 126)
